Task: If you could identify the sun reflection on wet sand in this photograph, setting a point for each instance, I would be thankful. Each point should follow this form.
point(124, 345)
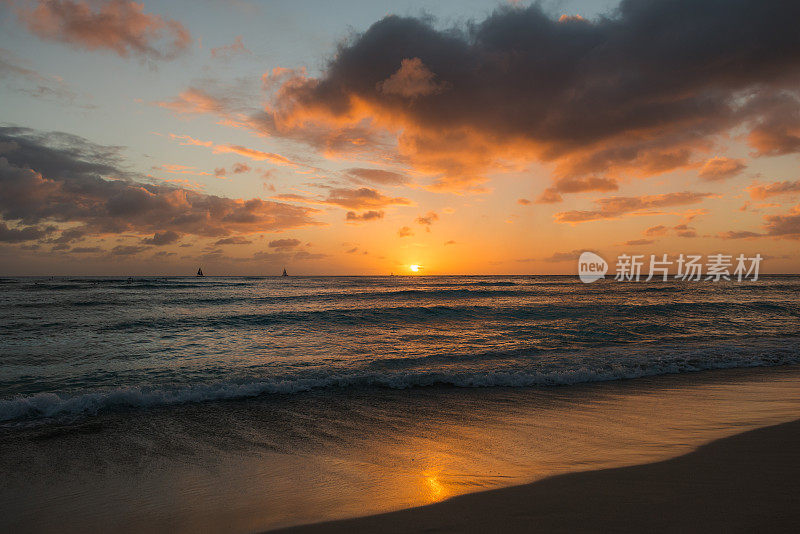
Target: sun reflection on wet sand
point(434, 489)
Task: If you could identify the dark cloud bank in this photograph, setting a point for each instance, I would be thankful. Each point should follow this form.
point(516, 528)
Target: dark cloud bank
point(48, 178)
point(640, 90)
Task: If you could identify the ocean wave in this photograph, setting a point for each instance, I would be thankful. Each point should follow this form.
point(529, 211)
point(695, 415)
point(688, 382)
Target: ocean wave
point(337, 296)
point(407, 315)
point(543, 373)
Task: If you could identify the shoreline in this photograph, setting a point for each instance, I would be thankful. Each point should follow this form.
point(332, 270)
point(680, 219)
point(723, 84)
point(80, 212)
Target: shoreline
point(743, 483)
point(271, 463)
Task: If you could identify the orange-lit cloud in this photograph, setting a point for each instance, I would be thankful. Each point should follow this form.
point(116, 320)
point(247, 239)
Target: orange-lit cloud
point(656, 230)
point(190, 141)
point(405, 231)
point(742, 234)
point(776, 130)
point(363, 198)
point(762, 191)
point(257, 155)
point(427, 220)
point(638, 242)
point(522, 87)
point(378, 176)
point(195, 101)
point(118, 25)
point(785, 226)
point(615, 207)
point(720, 168)
point(559, 257)
point(283, 244)
point(552, 194)
point(251, 153)
point(233, 49)
point(411, 80)
point(182, 169)
point(235, 240)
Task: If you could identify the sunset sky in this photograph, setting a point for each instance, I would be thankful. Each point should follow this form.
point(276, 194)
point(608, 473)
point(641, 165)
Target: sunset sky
point(364, 137)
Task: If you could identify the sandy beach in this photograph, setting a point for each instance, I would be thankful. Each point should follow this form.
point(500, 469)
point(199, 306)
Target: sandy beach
point(745, 483)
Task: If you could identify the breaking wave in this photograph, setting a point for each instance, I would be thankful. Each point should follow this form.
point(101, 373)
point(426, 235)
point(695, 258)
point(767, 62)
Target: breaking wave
point(550, 371)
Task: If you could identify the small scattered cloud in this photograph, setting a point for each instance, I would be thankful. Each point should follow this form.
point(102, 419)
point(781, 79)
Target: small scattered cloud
point(427, 220)
point(720, 168)
point(684, 230)
point(236, 48)
point(127, 250)
point(785, 226)
point(121, 26)
point(762, 191)
point(378, 176)
point(17, 77)
point(549, 196)
point(362, 198)
point(284, 244)
point(405, 231)
point(616, 207)
point(559, 257)
point(656, 230)
point(162, 238)
point(741, 234)
point(235, 240)
point(371, 215)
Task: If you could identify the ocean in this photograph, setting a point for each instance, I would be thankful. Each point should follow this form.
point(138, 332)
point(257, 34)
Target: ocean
point(243, 404)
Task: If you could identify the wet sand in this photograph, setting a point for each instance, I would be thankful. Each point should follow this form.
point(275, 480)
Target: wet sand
point(749, 482)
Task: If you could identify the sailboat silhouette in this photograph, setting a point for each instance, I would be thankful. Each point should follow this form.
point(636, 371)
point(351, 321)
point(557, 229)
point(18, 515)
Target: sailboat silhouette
point(200, 272)
point(284, 272)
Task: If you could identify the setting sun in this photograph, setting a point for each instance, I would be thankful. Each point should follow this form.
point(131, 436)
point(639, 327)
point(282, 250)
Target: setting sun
point(414, 268)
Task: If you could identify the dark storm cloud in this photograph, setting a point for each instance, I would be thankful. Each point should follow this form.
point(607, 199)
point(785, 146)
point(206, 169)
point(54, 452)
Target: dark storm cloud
point(61, 178)
point(639, 90)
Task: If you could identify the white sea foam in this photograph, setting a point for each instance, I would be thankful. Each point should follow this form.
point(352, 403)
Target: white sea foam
point(53, 405)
